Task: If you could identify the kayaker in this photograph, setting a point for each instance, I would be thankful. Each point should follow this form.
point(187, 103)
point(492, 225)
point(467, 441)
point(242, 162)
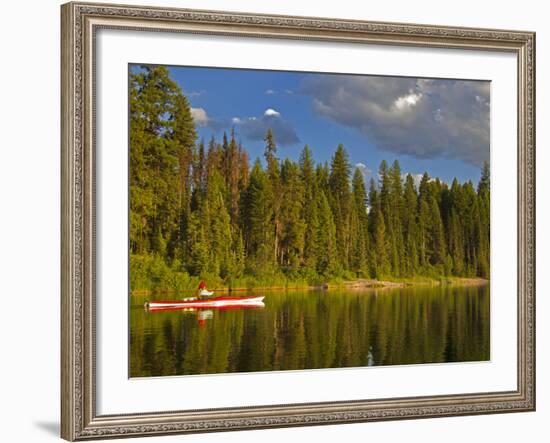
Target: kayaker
point(203, 292)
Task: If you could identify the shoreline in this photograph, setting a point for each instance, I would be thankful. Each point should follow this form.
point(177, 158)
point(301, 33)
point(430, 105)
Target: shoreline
point(358, 284)
point(404, 283)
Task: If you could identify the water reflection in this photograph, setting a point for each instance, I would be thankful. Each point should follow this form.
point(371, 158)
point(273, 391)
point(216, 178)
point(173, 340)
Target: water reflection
point(204, 314)
point(315, 329)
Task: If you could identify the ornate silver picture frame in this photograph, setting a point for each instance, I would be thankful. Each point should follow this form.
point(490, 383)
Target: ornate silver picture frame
point(80, 23)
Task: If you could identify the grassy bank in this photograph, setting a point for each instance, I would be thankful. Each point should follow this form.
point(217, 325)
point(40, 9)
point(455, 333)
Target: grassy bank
point(155, 277)
point(152, 275)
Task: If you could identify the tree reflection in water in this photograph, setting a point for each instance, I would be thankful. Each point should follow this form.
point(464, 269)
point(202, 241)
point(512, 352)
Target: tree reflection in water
point(315, 329)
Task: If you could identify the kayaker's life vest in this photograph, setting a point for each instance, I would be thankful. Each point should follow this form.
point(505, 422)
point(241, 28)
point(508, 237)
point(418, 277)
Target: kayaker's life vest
point(202, 285)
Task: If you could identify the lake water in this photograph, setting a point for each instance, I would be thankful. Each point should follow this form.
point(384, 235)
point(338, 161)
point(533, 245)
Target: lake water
point(310, 329)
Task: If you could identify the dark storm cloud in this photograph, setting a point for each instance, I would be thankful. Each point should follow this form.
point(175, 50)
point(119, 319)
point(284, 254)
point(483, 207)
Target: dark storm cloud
point(418, 117)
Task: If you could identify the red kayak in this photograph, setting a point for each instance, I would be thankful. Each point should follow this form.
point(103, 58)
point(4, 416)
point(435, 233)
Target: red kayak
point(215, 302)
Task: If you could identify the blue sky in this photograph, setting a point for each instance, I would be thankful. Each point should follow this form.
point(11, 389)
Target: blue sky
point(438, 126)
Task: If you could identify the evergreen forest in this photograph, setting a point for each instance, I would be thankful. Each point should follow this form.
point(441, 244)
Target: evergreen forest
point(205, 210)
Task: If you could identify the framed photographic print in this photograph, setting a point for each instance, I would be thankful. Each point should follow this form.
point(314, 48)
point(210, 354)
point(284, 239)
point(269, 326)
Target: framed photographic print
point(282, 221)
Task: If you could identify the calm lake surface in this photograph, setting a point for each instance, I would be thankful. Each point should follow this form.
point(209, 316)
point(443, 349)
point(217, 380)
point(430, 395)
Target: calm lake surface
point(310, 329)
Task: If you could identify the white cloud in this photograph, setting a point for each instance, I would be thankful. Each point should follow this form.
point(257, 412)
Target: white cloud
point(270, 92)
point(364, 169)
point(407, 101)
point(200, 116)
point(422, 118)
point(271, 113)
point(195, 93)
point(417, 178)
point(255, 128)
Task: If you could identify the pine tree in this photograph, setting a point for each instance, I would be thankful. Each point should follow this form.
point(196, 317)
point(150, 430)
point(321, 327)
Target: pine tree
point(485, 180)
point(293, 225)
point(243, 169)
point(162, 140)
point(199, 168)
point(237, 262)
point(225, 168)
point(425, 229)
point(340, 202)
point(424, 233)
point(198, 257)
point(273, 171)
point(359, 226)
point(456, 245)
point(385, 212)
point(327, 262)
point(213, 158)
point(309, 209)
point(395, 223)
point(219, 227)
point(202, 210)
point(470, 223)
point(455, 230)
point(232, 179)
point(484, 235)
point(410, 204)
point(380, 245)
point(322, 174)
point(377, 227)
point(258, 220)
point(437, 235)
